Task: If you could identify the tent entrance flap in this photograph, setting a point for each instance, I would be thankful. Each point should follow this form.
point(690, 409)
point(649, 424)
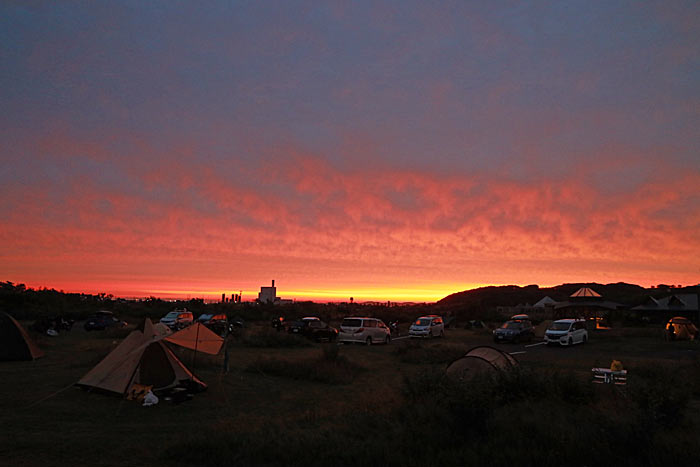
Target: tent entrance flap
point(155, 369)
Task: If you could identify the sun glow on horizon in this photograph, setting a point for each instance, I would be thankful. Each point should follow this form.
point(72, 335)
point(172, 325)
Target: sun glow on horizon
point(419, 293)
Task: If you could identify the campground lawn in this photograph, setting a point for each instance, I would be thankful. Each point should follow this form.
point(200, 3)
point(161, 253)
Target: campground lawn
point(288, 402)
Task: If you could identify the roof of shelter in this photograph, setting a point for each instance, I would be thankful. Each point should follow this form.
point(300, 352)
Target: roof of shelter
point(676, 302)
point(544, 301)
point(585, 292)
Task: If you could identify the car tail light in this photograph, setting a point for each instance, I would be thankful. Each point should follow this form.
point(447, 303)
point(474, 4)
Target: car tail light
point(359, 330)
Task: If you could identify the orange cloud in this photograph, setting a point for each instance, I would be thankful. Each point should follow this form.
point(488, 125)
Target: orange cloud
point(319, 228)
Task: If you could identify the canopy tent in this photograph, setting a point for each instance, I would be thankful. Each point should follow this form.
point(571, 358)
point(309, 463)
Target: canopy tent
point(199, 338)
point(478, 360)
point(141, 358)
point(15, 343)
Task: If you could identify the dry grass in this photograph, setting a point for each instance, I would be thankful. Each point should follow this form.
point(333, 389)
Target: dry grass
point(396, 402)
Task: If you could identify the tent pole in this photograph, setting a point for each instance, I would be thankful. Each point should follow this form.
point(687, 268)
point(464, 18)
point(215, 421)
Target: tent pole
point(196, 341)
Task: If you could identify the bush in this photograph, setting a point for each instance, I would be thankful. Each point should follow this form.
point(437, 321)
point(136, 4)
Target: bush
point(661, 394)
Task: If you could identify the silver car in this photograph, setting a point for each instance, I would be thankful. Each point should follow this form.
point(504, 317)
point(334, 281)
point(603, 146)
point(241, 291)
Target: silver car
point(427, 326)
point(364, 330)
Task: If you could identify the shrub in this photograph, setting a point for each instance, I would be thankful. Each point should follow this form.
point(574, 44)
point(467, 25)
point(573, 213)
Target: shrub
point(661, 393)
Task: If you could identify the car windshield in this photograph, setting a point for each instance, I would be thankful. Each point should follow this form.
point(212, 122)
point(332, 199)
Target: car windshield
point(172, 314)
point(352, 323)
point(560, 326)
point(422, 322)
point(511, 325)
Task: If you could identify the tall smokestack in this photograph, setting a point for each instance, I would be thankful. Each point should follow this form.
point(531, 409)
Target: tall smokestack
point(273, 282)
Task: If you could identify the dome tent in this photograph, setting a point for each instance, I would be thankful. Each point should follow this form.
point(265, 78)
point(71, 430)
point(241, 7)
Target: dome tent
point(15, 343)
point(683, 328)
point(478, 360)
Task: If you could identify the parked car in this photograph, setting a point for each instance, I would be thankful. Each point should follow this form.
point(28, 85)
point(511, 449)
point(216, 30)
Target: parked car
point(216, 322)
point(364, 330)
point(315, 329)
point(427, 326)
point(297, 326)
point(103, 320)
point(514, 330)
point(178, 319)
point(566, 332)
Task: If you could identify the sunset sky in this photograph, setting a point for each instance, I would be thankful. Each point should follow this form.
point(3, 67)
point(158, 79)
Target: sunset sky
point(381, 150)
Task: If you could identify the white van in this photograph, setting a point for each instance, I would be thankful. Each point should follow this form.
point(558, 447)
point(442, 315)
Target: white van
point(364, 330)
point(427, 326)
point(567, 332)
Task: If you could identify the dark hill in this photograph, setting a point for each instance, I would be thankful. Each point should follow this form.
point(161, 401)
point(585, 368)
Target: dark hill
point(488, 298)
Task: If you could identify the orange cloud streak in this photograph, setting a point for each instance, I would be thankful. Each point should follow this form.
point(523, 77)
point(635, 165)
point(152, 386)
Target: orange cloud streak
point(326, 232)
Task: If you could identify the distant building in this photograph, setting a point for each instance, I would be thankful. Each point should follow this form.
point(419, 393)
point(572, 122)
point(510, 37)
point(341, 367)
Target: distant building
point(268, 294)
point(662, 309)
point(585, 303)
point(545, 302)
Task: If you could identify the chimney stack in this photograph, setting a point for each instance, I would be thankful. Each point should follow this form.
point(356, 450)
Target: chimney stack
point(273, 282)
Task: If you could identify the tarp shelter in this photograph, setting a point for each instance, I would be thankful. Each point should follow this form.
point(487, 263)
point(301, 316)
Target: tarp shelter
point(683, 328)
point(197, 337)
point(141, 358)
point(15, 343)
point(478, 360)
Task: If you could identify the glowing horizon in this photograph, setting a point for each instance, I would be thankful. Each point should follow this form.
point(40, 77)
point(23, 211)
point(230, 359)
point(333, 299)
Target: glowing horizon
point(417, 294)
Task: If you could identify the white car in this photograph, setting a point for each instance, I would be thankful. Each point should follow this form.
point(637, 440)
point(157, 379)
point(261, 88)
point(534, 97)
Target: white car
point(427, 326)
point(364, 330)
point(178, 319)
point(567, 332)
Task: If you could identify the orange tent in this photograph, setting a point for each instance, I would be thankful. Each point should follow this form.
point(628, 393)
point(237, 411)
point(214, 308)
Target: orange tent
point(682, 327)
point(197, 337)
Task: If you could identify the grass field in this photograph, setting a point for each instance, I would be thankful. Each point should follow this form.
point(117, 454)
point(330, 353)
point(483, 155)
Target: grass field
point(288, 402)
